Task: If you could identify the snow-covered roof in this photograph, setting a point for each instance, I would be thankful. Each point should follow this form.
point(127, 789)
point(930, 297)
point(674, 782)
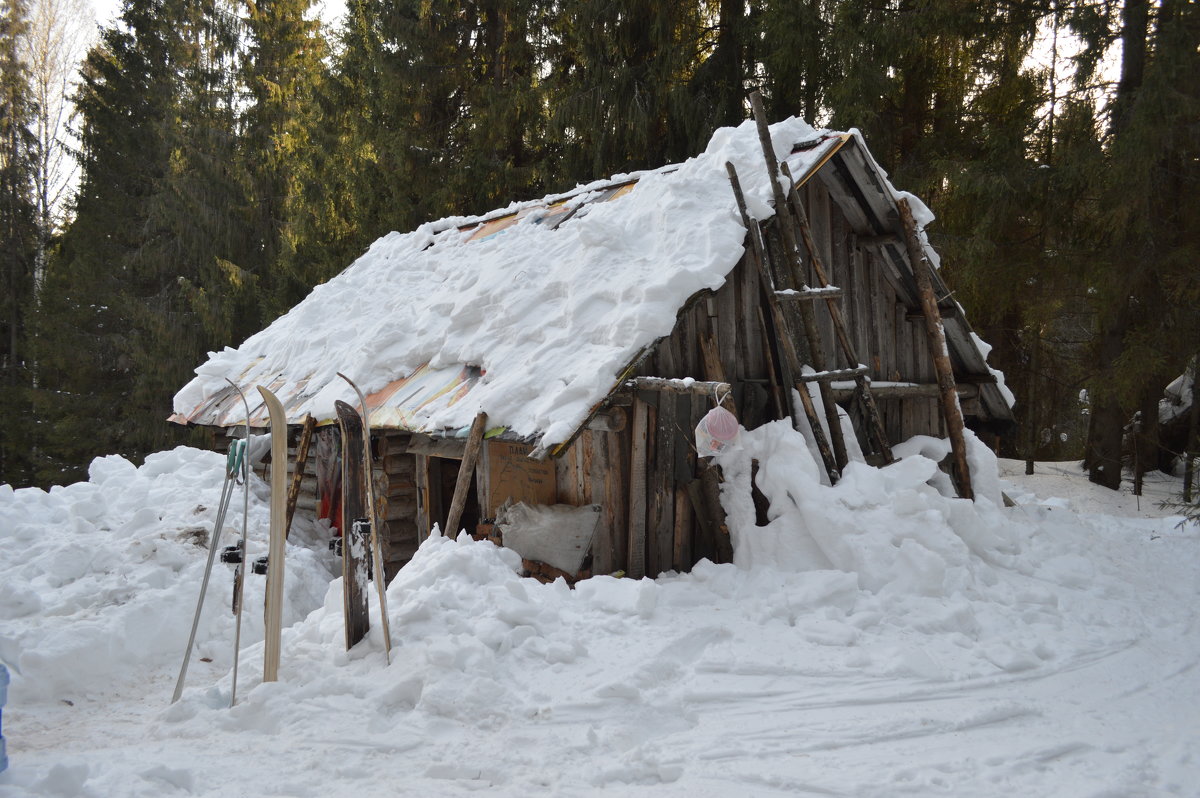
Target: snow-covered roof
point(531, 314)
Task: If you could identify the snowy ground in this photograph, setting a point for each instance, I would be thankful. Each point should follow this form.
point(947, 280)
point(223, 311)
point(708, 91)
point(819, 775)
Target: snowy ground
point(875, 639)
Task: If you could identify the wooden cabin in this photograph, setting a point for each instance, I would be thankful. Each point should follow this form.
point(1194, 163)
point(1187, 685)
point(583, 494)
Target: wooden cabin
point(630, 460)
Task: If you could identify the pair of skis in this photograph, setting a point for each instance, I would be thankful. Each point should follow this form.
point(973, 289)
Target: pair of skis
point(356, 437)
point(358, 478)
point(238, 464)
point(356, 432)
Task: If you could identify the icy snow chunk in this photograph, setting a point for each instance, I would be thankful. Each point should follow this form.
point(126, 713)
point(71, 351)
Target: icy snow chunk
point(622, 596)
point(110, 468)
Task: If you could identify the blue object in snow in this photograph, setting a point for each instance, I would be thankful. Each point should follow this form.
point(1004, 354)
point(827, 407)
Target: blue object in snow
point(3, 699)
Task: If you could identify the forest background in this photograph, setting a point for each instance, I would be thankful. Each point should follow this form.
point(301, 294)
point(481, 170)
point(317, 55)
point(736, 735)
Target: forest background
point(232, 154)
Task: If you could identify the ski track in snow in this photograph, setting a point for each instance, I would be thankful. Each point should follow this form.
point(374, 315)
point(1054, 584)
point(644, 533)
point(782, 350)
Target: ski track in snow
point(1064, 664)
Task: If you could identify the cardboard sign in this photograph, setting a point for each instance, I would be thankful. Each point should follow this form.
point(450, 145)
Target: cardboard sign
point(511, 474)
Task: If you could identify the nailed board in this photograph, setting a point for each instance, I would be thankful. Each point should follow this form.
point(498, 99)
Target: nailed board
point(510, 473)
point(354, 550)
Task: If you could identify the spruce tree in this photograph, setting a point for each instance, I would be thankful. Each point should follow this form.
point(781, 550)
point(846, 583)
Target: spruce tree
point(1144, 276)
point(18, 247)
point(618, 85)
point(281, 71)
point(141, 286)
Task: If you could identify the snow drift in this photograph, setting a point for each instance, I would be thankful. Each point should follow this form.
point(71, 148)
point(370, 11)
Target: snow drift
point(872, 638)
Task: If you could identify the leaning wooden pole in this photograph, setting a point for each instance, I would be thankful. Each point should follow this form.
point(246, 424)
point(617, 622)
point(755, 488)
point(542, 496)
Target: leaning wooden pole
point(936, 335)
point(792, 245)
point(466, 471)
point(293, 494)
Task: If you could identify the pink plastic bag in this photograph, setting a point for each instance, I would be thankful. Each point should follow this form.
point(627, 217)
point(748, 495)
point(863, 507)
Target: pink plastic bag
point(716, 432)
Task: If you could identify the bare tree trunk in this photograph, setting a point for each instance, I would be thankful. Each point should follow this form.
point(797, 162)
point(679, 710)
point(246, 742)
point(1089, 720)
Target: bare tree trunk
point(1192, 449)
point(1105, 430)
point(1031, 402)
point(1146, 442)
point(54, 45)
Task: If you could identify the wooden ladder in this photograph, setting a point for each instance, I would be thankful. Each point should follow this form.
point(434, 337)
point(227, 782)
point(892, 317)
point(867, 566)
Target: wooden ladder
point(794, 229)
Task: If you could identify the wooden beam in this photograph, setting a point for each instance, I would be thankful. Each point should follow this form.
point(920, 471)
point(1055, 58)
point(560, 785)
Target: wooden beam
point(792, 294)
point(951, 410)
point(833, 375)
point(715, 390)
point(437, 447)
point(906, 391)
point(466, 471)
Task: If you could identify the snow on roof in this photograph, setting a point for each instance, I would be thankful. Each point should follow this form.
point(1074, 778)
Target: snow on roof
point(530, 314)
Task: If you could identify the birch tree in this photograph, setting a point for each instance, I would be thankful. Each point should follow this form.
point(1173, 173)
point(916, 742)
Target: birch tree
point(56, 38)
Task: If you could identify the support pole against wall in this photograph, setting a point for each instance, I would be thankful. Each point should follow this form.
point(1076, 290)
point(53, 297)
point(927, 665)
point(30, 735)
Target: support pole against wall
point(936, 335)
point(466, 472)
point(293, 495)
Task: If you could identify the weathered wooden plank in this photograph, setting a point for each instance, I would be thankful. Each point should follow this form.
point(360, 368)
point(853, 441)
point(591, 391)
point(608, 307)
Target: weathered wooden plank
point(681, 553)
point(583, 467)
point(662, 510)
point(750, 358)
point(782, 406)
point(466, 472)
point(566, 476)
point(886, 322)
point(874, 320)
point(710, 490)
point(437, 447)
point(598, 475)
point(636, 567)
point(421, 479)
point(616, 486)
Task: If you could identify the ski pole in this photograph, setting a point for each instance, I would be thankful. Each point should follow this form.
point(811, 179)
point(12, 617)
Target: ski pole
point(231, 465)
point(239, 578)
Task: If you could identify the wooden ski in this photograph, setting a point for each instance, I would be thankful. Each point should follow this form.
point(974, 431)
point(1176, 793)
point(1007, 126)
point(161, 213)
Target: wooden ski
point(273, 609)
point(355, 527)
point(376, 521)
